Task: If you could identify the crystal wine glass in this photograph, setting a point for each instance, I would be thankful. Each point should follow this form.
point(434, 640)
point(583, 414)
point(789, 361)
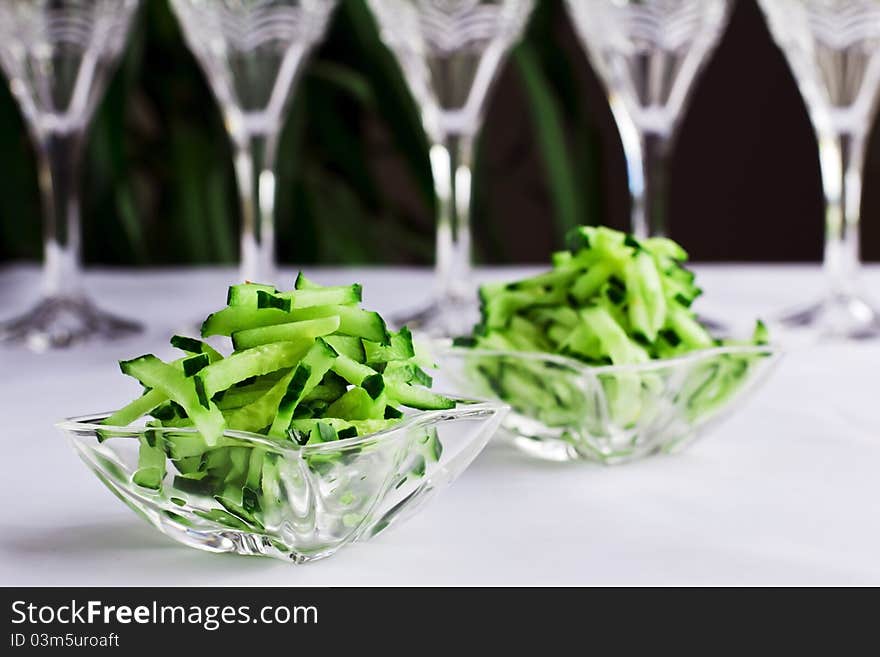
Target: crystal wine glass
point(59, 56)
point(833, 49)
point(648, 53)
point(450, 52)
point(251, 52)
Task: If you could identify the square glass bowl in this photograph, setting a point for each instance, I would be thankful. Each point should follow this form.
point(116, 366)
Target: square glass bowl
point(565, 410)
point(294, 503)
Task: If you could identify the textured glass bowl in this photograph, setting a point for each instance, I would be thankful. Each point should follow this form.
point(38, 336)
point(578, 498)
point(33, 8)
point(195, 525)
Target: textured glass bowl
point(565, 410)
point(318, 498)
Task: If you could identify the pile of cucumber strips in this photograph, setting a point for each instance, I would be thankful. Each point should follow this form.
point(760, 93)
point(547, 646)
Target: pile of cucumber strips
point(308, 366)
point(609, 300)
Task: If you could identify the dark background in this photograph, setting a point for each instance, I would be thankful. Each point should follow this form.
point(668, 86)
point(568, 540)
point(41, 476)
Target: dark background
point(354, 184)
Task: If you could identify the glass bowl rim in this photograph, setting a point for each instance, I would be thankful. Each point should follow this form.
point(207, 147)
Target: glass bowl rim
point(772, 350)
point(466, 406)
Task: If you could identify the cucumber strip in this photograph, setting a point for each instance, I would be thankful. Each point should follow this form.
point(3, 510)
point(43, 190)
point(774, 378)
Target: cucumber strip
point(260, 414)
point(194, 364)
point(303, 283)
point(374, 385)
point(306, 376)
point(325, 296)
point(647, 302)
point(331, 388)
point(151, 465)
point(588, 283)
point(184, 445)
point(355, 322)
point(136, 409)
point(252, 362)
point(236, 318)
point(400, 348)
point(688, 329)
point(558, 276)
point(246, 294)
point(417, 397)
point(351, 370)
point(340, 426)
point(291, 332)
point(663, 246)
point(151, 399)
point(187, 392)
point(270, 300)
point(236, 397)
point(406, 372)
point(611, 335)
point(194, 346)
point(349, 346)
point(271, 482)
point(500, 307)
point(357, 404)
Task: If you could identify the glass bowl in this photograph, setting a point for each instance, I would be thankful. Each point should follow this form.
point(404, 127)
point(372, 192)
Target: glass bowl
point(294, 503)
point(565, 410)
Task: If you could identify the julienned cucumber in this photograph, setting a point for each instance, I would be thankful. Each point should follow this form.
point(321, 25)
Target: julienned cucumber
point(308, 366)
point(353, 321)
point(188, 392)
point(610, 299)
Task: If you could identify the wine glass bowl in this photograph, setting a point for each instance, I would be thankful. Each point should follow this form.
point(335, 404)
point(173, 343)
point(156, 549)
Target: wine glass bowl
point(252, 52)
point(450, 52)
point(59, 56)
point(648, 53)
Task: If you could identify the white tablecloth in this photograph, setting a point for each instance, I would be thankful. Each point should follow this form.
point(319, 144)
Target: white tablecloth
point(786, 491)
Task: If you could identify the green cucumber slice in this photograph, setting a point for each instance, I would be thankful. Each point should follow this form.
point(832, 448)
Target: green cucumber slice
point(308, 374)
point(188, 392)
point(246, 294)
point(290, 332)
point(252, 362)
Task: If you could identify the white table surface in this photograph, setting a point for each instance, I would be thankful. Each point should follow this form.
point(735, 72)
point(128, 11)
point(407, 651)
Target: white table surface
point(787, 491)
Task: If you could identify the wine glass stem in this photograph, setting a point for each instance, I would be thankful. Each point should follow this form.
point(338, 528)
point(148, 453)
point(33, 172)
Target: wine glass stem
point(255, 175)
point(59, 156)
point(651, 206)
point(841, 156)
point(451, 160)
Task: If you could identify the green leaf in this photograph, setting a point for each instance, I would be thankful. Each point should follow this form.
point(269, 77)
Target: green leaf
point(548, 123)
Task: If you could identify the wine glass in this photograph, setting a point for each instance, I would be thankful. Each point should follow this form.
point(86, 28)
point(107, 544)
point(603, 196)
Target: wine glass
point(251, 52)
point(450, 52)
point(833, 49)
point(648, 53)
point(59, 56)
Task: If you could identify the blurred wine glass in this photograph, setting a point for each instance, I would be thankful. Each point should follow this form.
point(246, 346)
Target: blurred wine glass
point(833, 49)
point(648, 54)
point(450, 52)
point(59, 56)
point(251, 52)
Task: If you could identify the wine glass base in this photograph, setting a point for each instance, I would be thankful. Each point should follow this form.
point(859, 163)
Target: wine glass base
point(444, 317)
point(838, 316)
point(59, 321)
